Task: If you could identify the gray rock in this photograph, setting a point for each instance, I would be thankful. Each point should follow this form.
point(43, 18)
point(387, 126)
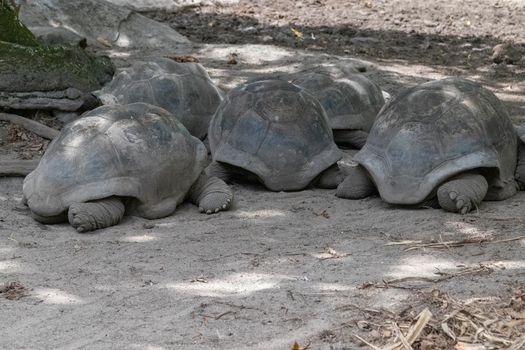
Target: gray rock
point(66, 100)
point(58, 36)
point(50, 77)
point(506, 53)
point(170, 5)
point(101, 22)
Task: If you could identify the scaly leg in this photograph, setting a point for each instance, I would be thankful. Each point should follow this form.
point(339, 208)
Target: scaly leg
point(211, 194)
point(520, 168)
point(463, 193)
point(216, 169)
point(97, 214)
point(357, 184)
point(331, 177)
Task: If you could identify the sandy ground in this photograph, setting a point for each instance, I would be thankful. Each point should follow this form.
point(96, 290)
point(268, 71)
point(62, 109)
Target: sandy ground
point(278, 268)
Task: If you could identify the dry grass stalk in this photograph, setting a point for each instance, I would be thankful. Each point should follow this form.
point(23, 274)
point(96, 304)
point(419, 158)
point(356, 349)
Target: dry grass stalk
point(450, 244)
point(394, 283)
point(476, 324)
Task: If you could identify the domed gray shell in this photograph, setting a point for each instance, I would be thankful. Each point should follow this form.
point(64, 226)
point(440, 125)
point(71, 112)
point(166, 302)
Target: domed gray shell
point(351, 103)
point(275, 130)
point(433, 131)
point(137, 150)
point(184, 89)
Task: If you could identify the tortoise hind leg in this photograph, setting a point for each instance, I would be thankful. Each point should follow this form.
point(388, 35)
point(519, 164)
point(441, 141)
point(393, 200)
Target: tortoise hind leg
point(463, 193)
point(97, 214)
point(211, 194)
point(357, 184)
point(330, 178)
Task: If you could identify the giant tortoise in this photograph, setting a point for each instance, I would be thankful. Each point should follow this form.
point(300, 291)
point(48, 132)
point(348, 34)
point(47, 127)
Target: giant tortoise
point(184, 89)
point(276, 132)
point(135, 159)
point(350, 102)
point(448, 142)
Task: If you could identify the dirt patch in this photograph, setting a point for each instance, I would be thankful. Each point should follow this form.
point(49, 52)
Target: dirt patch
point(290, 270)
point(459, 37)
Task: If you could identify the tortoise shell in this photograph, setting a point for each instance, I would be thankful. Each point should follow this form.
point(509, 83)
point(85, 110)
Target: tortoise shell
point(275, 130)
point(436, 130)
point(184, 89)
point(351, 102)
point(137, 151)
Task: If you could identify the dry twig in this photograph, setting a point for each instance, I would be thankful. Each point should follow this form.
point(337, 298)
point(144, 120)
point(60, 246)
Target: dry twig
point(18, 167)
point(31, 125)
point(449, 244)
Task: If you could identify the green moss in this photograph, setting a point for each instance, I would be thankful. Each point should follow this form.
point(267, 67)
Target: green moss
point(28, 65)
point(11, 29)
point(50, 68)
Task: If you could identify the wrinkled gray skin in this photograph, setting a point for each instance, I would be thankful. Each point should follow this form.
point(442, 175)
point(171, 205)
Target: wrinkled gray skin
point(520, 167)
point(351, 103)
point(273, 132)
point(449, 139)
point(132, 159)
point(184, 89)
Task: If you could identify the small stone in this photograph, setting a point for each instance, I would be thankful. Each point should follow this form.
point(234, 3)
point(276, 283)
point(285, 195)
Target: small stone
point(505, 53)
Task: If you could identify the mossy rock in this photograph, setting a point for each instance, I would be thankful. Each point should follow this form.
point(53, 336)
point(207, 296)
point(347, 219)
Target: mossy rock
point(50, 77)
point(34, 75)
point(13, 30)
point(51, 68)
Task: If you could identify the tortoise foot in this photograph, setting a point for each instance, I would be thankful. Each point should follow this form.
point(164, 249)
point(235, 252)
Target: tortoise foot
point(463, 193)
point(85, 217)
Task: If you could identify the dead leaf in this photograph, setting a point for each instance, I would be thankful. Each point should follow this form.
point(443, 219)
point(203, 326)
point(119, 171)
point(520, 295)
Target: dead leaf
point(199, 279)
point(468, 346)
point(297, 33)
point(184, 59)
point(232, 58)
point(104, 41)
point(323, 213)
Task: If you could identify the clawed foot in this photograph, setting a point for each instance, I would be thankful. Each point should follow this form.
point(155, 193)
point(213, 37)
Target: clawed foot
point(460, 203)
point(215, 202)
point(95, 215)
point(463, 193)
point(211, 194)
point(79, 220)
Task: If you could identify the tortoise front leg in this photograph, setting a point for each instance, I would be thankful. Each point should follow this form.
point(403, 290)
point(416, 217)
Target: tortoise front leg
point(357, 184)
point(463, 193)
point(97, 214)
point(211, 194)
point(216, 169)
